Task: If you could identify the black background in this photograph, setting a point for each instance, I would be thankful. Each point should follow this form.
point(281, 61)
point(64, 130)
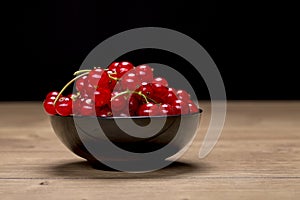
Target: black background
point(253, 45)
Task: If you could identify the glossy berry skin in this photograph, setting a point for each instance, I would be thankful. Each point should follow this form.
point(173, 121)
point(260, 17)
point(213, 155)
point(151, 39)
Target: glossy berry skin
point(144, 73)
point(172, 90)
point(148, 109)
point(159, 93)
point(87, 107)
point(161, 81)
point(113, 66)
point(130, 81)
point(77, 105)
point(49, 106)
point(122, 114)
point(80, 83)
point(63, 106)
point(146, 89)
point(101, 97)
point(52, 94)
point(94, 76)
point(169, 97)
point(118, 103)
point(180, 107)
point(192, 107)
point(48, 103)
point(122, 68)
point(139, 92)
point(108, 80)
point(165, 109)
point(183, 95)
point(133, 105)
point(88, 90)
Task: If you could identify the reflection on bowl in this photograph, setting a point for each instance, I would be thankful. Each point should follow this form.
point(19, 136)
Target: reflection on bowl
point(77, 133)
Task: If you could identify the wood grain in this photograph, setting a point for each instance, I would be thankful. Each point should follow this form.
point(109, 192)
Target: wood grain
point(256, 157)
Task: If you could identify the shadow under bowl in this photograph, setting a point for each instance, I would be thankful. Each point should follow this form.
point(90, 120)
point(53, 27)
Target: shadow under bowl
point(92, 137)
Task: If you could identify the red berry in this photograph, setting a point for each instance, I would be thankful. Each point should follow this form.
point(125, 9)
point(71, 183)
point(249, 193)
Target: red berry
point(166, 109)
point(161, 81)
point(130, 81)
point(118, 103)
point(64, 106)
point(52, 98)
point(146, 89)
point(145, 73)
point(133, 104)
point(72, 96)
point(122, 68)
point(80, 83)
point(108, 80)
point(77, 105)
point(96, 78)
point(101, 97)
point(169, 97)
point(183, 95)
point(113, 66)
point(148, 109)
point(117, 88)
point(52, 94)
point(84, 95)
point(192, 107)
point(180, 107)
point(87, 107)
point(48, 103)
point(172, 90)
point(122, 114)
point(159, 93)
point(95, 75)
point(88, 90)
point(49, 106)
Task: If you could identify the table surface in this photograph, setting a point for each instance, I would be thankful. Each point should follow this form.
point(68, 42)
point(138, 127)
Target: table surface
point(256, 157)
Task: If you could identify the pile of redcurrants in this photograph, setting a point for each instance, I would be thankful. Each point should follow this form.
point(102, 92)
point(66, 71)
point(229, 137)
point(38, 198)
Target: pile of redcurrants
point(121, 89)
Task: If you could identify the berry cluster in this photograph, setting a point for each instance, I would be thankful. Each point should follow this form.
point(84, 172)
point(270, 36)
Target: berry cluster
point(121, 89)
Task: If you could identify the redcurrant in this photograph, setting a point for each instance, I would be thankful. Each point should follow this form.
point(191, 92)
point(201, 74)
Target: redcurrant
point(145, 73)
point(180, 107)
point(183, 95)
point(122, 68)
point(64, 106)
point(161, 81)
point(192, 107)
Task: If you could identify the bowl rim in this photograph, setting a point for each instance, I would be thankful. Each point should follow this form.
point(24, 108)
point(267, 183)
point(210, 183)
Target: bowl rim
point(131, 117)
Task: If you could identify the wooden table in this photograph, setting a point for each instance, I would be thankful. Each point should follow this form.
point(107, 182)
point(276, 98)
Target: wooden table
point(256, 157)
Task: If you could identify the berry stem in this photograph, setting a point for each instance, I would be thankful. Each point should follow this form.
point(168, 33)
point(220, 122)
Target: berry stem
point(69, 83)
point(81, 71)
point(121, 93)
point(114, 78)
point(133, 92)
point(141, 94)
point(145, 97)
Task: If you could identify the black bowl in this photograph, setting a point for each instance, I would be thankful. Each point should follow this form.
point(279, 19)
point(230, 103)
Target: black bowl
point(79, 133)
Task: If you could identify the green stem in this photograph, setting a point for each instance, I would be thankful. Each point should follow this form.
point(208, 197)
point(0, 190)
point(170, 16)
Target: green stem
point(69, 83)
point(133, 92)
point(81, 71)
point(141, 94)
point(150, 99)
point(114, 78)
point(120, 94)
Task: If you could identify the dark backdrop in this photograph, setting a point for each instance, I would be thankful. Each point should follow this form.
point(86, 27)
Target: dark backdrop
point(46, 41)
